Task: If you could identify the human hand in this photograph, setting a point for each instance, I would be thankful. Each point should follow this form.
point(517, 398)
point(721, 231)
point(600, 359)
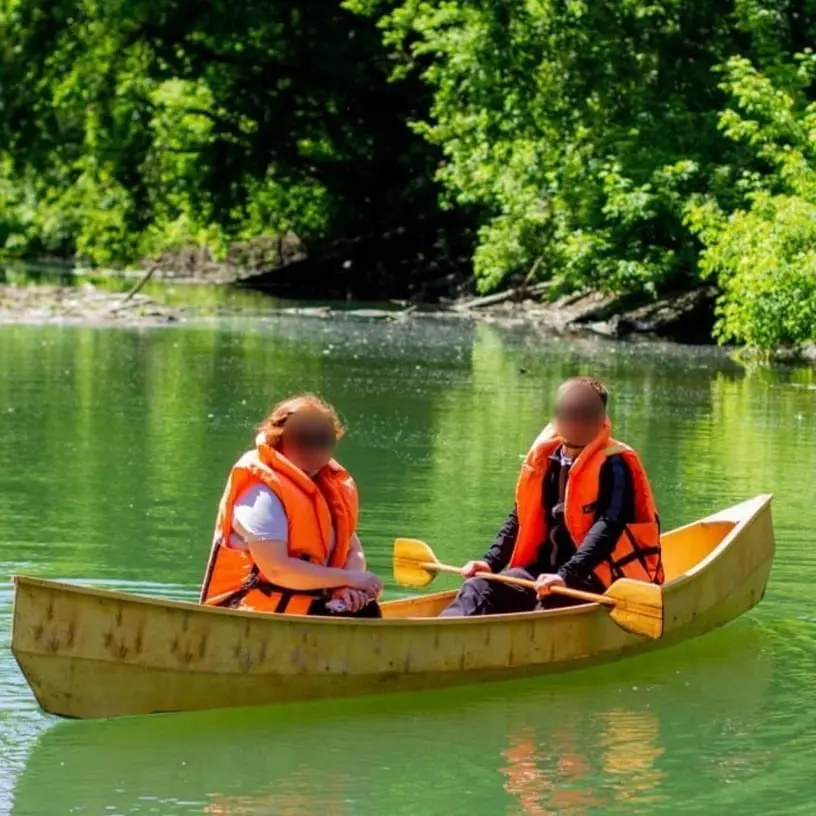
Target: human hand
point(472, 567)
point(352, 599)
point(544, 584)
point(366, 582)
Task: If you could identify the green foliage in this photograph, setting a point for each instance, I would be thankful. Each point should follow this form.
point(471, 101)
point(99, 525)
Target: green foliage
point(618, 145)
point(580, 128)
point(765, 258)
point(628, 146)
point(763, 254)
point(133, 126)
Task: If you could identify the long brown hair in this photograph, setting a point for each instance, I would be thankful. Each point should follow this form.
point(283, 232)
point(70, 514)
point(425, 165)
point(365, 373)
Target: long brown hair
point(272, 426)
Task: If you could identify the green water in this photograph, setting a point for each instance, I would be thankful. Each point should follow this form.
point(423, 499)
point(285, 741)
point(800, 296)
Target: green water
point(113, 451)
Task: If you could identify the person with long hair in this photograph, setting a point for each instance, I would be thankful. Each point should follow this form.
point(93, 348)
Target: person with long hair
point(286, 533)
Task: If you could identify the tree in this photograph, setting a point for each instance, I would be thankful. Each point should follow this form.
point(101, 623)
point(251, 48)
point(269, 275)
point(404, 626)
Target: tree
point(133, 124)
point(581, 129)
point(763, 253)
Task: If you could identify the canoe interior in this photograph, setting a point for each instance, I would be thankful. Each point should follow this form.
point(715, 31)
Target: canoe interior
point(683, 549)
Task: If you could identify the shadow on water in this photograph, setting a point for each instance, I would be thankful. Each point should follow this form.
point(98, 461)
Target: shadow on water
point(568, 746)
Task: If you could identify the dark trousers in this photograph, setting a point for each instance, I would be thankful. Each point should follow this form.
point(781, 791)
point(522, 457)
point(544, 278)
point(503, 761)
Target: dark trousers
point(479, 596)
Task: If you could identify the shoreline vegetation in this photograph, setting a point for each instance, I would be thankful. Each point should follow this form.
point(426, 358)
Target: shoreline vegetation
point(505, 159)
point(57, 293)
point(683, 318)
point(579, 314)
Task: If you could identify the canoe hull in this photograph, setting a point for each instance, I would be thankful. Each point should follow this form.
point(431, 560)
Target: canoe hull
point(92, 653)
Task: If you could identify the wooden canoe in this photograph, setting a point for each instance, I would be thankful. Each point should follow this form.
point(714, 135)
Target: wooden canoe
point(98, 653)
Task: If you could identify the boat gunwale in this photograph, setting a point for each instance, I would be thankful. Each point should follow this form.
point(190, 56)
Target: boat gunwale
point(273, 618)
point(760, 501)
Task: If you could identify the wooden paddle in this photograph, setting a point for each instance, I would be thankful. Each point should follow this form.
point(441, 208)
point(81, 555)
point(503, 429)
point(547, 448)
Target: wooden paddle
point(635, 606)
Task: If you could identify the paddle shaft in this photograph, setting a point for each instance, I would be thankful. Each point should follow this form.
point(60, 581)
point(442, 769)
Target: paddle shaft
point(578, 594)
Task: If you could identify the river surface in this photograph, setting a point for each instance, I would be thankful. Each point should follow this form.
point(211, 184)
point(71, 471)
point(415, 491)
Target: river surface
point(114, 445)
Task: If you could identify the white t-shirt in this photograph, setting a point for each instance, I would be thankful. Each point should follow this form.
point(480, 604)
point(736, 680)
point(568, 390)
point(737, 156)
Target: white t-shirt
point(259, 515)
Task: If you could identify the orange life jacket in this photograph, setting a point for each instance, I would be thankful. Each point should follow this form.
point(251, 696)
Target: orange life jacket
point(312, 505)
point(637, 552)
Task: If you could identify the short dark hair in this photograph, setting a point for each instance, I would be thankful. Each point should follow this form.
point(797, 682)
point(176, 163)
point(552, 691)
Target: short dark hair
point(596, 385)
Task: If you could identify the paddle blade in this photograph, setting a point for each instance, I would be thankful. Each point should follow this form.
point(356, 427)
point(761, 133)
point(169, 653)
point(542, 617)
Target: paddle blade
point(409, 556)
point(638, 607)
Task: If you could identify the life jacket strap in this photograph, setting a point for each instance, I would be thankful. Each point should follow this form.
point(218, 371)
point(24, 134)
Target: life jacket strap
point(232, 598)
point(638, 553)
point(295, 602)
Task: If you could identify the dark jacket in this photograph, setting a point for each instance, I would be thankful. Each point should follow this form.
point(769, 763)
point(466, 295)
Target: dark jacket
point(558, 554)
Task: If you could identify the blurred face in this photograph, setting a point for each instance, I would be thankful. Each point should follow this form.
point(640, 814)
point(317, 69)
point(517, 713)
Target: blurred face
point(308, 441)
point(579, 414)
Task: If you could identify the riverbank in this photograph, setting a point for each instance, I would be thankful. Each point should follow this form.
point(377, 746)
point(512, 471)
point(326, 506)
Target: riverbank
point(686, 318)
point(682, 317)
point(84, 304)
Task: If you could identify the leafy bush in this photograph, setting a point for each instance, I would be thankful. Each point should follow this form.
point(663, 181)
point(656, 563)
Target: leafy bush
point(763, 254)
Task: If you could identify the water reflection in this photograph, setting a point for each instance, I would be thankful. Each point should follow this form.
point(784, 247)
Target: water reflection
point(631, 745)
point(556, 775)
point(293, 795)
point(561, 746)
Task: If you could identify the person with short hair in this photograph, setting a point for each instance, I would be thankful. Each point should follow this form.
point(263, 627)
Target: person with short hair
point(286, 533)
point(584, 515)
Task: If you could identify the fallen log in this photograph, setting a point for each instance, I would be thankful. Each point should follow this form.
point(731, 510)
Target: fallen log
point(516, 293)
